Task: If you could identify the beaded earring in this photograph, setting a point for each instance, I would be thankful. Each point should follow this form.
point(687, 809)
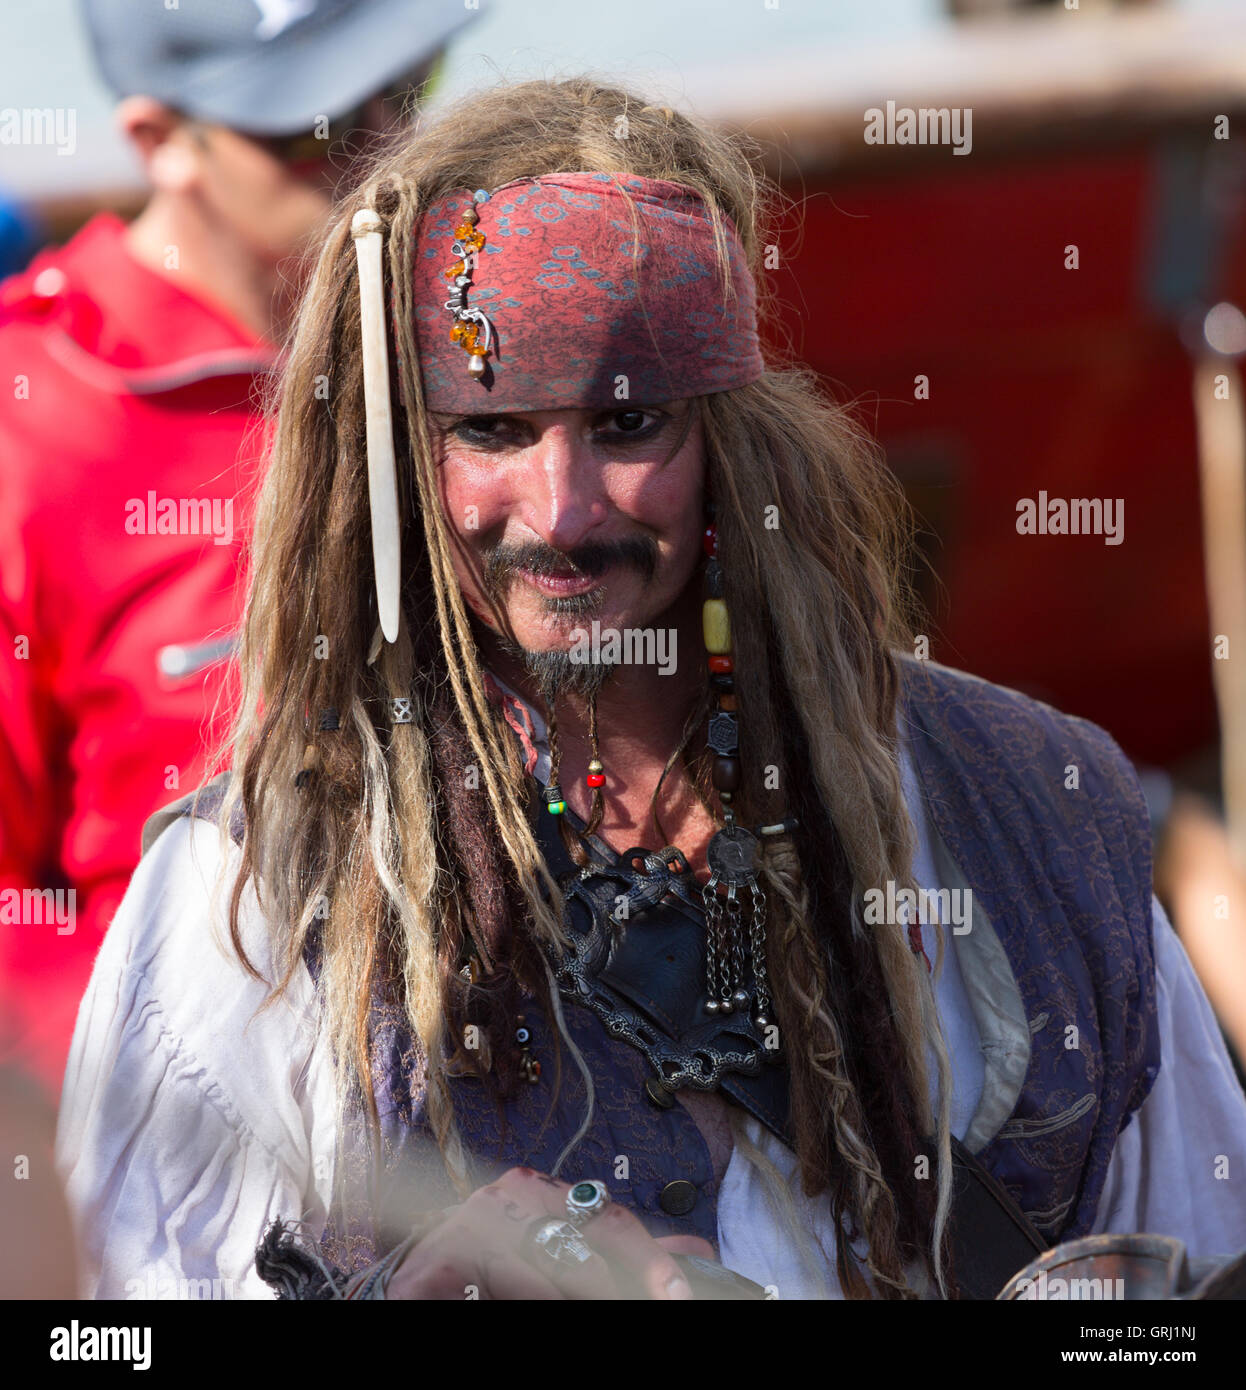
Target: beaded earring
point(734, 853)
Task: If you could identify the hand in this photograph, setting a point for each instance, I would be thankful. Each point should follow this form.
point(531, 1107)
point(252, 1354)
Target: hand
point(487, 1243)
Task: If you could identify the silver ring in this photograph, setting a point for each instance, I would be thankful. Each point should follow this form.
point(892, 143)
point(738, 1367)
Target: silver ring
point(562, 1242)
point(587, 1199)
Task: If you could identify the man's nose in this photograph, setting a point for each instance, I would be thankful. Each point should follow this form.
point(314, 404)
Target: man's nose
point(564, 494)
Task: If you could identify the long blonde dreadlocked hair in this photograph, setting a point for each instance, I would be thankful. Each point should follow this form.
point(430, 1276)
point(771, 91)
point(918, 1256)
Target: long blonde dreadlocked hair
point(398, 871)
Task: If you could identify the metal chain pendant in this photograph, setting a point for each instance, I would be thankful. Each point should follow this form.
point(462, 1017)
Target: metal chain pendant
point(734, 858)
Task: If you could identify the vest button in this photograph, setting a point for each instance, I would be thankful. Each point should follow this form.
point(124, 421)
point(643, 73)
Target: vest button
point(658, 1093)
point(678, 1198)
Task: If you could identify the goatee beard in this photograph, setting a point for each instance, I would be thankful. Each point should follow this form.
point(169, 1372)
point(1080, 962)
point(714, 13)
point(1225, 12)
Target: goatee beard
point(556, 674)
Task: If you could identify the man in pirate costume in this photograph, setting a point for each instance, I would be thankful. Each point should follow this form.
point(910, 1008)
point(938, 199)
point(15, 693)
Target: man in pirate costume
point(517, 959)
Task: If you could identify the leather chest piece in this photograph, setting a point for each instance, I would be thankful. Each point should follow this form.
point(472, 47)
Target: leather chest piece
point(638, 960)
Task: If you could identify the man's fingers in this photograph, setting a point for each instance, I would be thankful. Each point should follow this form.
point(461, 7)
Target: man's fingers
point(688, 1245)
point(625, 1243)
point(507, 1276)
point(591, 1278)
point(436, 1275)
point(625, 1260)
point(515, 1201)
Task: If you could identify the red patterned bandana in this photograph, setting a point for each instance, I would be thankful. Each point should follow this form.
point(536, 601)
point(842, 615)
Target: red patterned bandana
point(579, 291)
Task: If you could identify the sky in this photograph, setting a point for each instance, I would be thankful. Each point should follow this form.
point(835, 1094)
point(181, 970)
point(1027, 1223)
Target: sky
point(675, 49)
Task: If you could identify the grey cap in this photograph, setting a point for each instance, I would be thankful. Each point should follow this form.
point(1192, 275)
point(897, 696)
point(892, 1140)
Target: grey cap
point(266, 67)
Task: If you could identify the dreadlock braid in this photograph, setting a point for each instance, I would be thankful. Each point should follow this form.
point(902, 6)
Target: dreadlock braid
point(598, 805)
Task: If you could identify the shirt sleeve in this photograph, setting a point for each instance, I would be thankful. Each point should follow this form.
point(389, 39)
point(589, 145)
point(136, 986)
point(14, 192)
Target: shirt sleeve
point(189, 1119)
point(1179, 1166)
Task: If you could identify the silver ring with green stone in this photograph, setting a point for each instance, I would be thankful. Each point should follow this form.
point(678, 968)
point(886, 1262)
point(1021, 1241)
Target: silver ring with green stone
point(587, 1199)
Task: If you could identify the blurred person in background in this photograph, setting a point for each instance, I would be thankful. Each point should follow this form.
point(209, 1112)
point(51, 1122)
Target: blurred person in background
point(1197, 874)
point(137, 354)
point(17, 236)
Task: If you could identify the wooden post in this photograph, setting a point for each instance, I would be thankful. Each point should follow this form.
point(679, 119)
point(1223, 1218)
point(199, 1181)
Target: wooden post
point(1222, 471)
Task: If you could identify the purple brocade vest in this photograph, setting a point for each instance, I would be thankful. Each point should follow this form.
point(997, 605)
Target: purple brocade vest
point(1064, 874)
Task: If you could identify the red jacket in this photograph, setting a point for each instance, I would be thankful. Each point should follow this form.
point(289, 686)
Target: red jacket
point(129, 440)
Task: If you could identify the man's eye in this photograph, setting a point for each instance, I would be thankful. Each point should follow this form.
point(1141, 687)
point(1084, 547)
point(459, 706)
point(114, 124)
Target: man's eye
point(477, 429)
point(633, 421)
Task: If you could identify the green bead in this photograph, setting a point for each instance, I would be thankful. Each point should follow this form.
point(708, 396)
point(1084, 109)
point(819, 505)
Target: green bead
point(556, 808)
point(583, 1192)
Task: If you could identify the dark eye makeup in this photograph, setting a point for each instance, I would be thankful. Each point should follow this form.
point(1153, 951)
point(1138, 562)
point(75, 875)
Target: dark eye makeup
point(629, 425)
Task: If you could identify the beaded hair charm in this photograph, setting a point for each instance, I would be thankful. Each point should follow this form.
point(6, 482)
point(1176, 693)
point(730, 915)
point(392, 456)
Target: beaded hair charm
point(471, 329)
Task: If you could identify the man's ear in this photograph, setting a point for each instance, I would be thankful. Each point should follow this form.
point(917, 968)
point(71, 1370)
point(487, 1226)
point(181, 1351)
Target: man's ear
point(161, 137)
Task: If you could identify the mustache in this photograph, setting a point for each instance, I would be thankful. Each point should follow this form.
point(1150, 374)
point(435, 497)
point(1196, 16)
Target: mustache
point(501, 562)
